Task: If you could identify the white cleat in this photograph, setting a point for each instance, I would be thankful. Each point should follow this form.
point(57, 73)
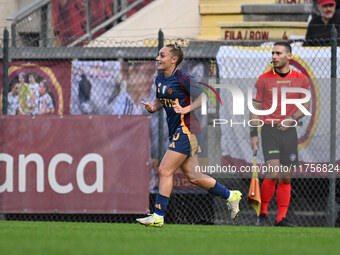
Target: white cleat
point(152, 221)
point(233, 203)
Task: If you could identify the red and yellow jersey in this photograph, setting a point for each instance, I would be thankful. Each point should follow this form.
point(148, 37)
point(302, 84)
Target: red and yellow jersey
point(264, 93)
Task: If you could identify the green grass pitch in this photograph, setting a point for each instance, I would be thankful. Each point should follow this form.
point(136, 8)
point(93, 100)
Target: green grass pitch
point(103, 238)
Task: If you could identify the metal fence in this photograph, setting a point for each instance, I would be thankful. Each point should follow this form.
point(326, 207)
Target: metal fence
point(53, 23)
point(113, 80)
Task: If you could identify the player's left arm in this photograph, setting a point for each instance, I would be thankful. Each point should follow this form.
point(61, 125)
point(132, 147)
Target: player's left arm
point(195, 92)
point(296, 116)
point(189, 108)
point(299, 114)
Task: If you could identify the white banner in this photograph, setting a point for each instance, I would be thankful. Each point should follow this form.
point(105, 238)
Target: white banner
point(241, 66)
point(95, 85)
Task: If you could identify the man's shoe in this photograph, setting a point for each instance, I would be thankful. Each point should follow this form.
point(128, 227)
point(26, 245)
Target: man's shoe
point(233, 203)
point(262, 220)
point(284, 223)
point(152, 221)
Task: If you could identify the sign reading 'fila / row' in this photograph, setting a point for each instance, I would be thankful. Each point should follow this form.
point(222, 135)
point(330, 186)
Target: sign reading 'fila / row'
point(260, 34)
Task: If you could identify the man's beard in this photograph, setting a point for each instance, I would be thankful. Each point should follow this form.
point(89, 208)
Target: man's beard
point(327, 18)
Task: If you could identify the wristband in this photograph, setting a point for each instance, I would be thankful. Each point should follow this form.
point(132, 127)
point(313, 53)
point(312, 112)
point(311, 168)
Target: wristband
point(253, 131)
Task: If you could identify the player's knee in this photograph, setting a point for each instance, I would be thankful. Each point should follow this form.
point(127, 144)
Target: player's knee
point(193, 180)
point(164, 172)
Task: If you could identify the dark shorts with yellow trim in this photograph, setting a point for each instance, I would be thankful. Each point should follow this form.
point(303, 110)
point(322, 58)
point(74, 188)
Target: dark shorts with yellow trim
point(185, 143)
point(282, 145)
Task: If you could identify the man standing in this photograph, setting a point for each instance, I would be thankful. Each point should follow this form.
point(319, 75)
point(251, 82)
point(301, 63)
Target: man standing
point(278, 132)
point(316, 11)
point(319, 28)
point(24, 93)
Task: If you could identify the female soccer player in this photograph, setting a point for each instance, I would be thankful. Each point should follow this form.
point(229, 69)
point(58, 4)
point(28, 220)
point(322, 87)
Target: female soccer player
point(174, 91)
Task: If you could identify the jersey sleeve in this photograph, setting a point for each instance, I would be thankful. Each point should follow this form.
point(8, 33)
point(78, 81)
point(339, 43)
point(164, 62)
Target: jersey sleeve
point(258, 91)
point(305, 85)
point(156, 87)
point(49, 101)
point(189, 84)
point(195, 89)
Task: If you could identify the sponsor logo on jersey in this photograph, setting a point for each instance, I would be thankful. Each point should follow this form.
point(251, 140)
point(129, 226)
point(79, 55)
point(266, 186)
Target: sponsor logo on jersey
point(170, 90)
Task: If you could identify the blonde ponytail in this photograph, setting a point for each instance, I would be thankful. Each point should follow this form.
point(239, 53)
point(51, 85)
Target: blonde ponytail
point(179, 44)
point(176, 50)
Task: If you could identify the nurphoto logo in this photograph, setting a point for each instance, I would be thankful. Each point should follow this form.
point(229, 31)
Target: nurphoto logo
point(238, 99)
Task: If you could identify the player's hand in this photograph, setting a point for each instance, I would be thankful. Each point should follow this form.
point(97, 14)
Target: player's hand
point(149, 107)
point(179, 109)
point(287, 122)
point(254, 143)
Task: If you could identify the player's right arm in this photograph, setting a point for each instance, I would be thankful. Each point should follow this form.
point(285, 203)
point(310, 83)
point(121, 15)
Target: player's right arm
point(254, 121)
point(156, 106)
